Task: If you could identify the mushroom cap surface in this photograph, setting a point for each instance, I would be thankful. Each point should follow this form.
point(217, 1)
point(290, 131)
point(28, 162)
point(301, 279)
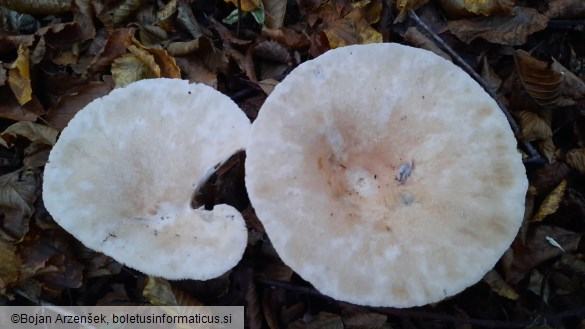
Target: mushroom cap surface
point(385, 175)
point(121, 177)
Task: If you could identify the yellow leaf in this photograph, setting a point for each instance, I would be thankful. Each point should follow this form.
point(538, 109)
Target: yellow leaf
point(19, 76)
point(551, 203)
point(489, 7)
point(159, 292)
point(129, 68)
point(34, 132)
point(499, 286)
point(576, 159)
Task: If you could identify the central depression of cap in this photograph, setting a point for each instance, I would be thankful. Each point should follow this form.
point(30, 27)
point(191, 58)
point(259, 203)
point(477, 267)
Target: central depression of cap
point(384, 175)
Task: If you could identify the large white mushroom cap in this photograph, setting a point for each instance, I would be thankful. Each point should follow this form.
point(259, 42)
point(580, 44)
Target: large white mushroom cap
point(122, 174)
point(385, 176)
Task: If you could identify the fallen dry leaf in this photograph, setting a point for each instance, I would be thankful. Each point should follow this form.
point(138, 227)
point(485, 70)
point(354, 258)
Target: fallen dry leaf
point(547, 148)
point(505, 30)
point(565, 9)
point(246, 5)
point(551, 202)
point(405, 5)
point(416, 38)
point(34, 132)
point(541, 82)
point(489, 7)
point(17, 190)
point(533, 126)
point(524, 257)
point(68, 105)
point(37, 7)
point(129, 68)
point(158, 292)
point(323, 320)
point(275, 10)
point(19, 76)
point(499, 286)
point(576, 159)
point(9, 264)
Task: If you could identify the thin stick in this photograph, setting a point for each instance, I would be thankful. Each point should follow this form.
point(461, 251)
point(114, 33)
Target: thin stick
point(532, 152)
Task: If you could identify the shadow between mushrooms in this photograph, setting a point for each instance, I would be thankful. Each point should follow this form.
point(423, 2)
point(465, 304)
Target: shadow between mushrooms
point(121, 176)
point(385, 175)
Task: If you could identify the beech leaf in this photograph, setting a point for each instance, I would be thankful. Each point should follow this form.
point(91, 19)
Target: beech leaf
point(34, 132)
point(505, 30)
point(275, 10)
point(576, 159)
point(533, 126)
point(551, 202)
point(19, 76)
point(540, 80)
point(17, 190)
point(499, 286)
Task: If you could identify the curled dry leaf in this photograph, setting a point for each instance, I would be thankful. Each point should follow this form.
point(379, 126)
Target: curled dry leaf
point(37, 7)
point(275, 10)
point(499, 286)
point(505, 30)
point(187, 20)
point(575, 158)
point(540, 80)
point(533, 126)
point(490, 77)
point(19, 76)
point(551, 202)
point(34, 132)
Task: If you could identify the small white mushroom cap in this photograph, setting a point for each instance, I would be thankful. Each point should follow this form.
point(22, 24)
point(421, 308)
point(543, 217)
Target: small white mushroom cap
point(121, 177)
point(385, 175)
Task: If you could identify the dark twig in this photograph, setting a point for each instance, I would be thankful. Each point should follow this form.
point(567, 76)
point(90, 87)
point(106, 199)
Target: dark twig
point(415, 313)
point(239, 17)
point(534, 155)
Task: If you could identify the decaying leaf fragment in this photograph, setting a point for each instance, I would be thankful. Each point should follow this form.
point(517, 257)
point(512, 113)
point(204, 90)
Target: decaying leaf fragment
point(506, 30)
point(353, 28)
point(19, 76)
point(551, 203)
point(576, 159)
point(540, 79)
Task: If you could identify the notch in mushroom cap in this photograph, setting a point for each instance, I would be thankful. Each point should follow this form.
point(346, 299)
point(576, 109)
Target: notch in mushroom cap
point(121, 176)
point(385, 175)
